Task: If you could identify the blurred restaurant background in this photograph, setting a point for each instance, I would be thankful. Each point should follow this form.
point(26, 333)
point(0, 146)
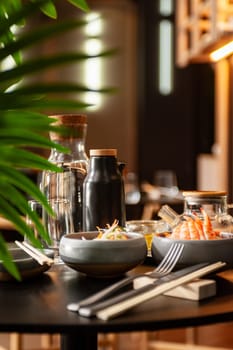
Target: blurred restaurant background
point(171, 109)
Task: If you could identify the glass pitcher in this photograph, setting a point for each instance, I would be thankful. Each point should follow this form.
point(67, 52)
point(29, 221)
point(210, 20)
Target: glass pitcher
point(68, 184)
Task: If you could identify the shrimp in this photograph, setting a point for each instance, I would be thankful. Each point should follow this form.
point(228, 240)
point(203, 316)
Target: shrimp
point(199, 225)
point(176, 232)
point(184, 231)
point(207, 226)
point(194, 233)
point(195, 229)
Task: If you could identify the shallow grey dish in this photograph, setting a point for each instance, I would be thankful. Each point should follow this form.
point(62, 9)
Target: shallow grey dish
point(195, 251)
point(102, 258)
point(27, 266)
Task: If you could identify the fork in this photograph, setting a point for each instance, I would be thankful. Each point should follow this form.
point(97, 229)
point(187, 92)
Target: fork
point(164, 268)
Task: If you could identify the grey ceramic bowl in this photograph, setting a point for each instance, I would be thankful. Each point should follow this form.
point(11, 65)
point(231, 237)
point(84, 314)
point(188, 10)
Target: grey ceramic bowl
point(27, 266)
point(195, 251)
point(102, 258)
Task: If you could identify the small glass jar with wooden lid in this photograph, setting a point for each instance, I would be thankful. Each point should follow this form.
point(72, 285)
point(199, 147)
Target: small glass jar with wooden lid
point(214, 204)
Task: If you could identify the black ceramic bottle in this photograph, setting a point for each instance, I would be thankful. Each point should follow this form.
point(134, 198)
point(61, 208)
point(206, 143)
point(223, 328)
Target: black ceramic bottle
point(103, 191)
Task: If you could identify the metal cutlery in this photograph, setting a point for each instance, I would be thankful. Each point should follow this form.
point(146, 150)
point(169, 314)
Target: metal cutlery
point(164, 268)
point(125, 301)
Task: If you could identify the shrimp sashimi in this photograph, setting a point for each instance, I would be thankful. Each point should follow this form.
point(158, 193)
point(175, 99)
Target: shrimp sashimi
point(193, 228)
point(176, 232)
point(184, 232)
point(207, 226)
point(199, 225)
point(194, 234)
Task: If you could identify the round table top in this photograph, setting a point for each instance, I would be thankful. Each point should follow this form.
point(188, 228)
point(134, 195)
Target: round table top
point(39, 305)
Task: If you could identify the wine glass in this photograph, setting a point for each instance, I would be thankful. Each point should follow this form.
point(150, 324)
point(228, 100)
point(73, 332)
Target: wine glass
point(132, 190)
point(166, 181)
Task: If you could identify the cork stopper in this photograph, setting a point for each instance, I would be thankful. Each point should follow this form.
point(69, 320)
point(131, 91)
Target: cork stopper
point(69, 119)
point(75, 123)
point(103, 152)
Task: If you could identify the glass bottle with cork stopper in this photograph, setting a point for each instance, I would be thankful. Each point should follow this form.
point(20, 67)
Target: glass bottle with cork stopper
point(103, 191)
point(68, 184)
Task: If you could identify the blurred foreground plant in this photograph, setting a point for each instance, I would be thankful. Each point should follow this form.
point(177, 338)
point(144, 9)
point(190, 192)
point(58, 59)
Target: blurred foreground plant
point(22, 124)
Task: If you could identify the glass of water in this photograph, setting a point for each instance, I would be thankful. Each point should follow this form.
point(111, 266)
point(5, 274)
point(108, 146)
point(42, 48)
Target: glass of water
point(35, 207)
point(59, 224)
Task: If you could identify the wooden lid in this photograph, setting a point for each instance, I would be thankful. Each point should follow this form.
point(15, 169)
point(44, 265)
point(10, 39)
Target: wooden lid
point(103, 152)
point(204, 193)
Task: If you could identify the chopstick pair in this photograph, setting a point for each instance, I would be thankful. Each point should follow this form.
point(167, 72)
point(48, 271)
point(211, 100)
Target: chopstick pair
point(35, 253)
point(115, 306)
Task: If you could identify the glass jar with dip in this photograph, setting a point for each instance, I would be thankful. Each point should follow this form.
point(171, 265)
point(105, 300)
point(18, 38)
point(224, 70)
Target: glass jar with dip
point(148, 228)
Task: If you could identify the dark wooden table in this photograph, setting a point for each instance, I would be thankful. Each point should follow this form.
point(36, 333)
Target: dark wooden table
point(39, 306)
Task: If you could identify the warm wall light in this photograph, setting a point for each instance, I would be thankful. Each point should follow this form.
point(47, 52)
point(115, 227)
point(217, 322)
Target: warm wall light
point(165, 57)
point(166, 64)
point(93, 66)
point(222, 52)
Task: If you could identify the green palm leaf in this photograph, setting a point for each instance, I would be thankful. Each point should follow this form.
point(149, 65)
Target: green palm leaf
point(25, 138)
point(9, 192)
point(21, 158)
point(7, 260)
point(27, 119)
point(82, 4)
point(39, 35)
point(22, 125)
point(49, 9)
point(40, 64)
point(17, 16)
point(13, 215)
point(39, 103)
point(22, 182)
point(39, 89)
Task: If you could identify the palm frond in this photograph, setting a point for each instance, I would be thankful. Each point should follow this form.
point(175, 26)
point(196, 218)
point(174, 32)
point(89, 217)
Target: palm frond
point(82, 4)
point(41, 89)
point(19, 202)
point(39, 103)
point(18, 15)
point(7, 259)
point(22, 124)
point(21, 181)
point(33, 37)
point(42, 63)
point(49, 9)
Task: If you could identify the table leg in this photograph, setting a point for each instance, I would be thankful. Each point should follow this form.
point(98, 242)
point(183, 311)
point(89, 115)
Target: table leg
point(74, 341)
